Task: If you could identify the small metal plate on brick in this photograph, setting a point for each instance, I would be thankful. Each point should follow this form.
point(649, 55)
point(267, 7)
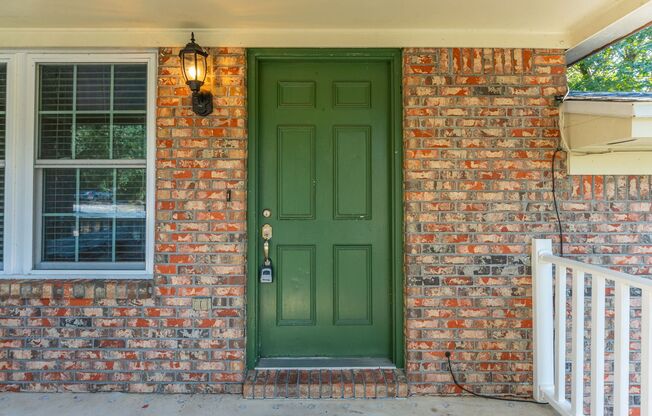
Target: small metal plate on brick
point(201, 303)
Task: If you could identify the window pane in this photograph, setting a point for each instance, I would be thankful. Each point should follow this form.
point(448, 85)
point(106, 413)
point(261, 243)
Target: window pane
point(3, 107)
point(3, 121)
point(93, 87)
point(3, 88)
point(92, 137)
point(130, 240)
point(129, 134)
point(56, 87)
point(95, 235)
point(130, 87)
point(94, 215)
point(59, 238)
point(59, 187)
point(55, 135)
point(96, 192)
point(2, 213)
point(130, 198)
point(3, 118)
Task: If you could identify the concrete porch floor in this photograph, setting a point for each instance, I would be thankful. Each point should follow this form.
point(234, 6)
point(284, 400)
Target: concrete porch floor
point(120, 404)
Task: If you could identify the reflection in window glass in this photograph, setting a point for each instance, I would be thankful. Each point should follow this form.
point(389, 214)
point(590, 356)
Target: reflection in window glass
point(129, 136)
point(58, 236)
point(92, 212)
point(92, 136)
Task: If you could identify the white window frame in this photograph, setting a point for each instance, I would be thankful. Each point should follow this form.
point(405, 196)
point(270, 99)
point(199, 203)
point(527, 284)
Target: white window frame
point(8, 163)
point(20, 210)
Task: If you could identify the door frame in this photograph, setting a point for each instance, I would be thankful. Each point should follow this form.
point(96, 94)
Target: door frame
point(393, 58)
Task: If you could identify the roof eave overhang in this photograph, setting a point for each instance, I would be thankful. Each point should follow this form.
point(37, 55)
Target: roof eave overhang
point(615, 23)
point(622, 18)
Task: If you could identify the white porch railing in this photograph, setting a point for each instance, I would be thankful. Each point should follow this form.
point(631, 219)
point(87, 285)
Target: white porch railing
point(550, 334)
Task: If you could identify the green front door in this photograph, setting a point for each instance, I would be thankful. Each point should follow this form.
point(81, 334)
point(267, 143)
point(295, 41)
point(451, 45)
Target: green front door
point(324, 173)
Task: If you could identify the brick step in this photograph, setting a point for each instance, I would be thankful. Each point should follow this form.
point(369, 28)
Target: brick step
point(325, 384)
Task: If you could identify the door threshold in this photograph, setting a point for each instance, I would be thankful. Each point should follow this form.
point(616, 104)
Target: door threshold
point(324, 363)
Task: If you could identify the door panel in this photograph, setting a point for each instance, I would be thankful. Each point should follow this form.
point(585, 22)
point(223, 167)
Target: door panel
point(296, 276)
point(324, 172)
point(352, 285)
point(352, 165)
point(296, 94)
point(296, 172)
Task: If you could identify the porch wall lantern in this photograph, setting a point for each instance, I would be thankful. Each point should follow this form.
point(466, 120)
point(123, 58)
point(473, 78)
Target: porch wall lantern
point(193, 64)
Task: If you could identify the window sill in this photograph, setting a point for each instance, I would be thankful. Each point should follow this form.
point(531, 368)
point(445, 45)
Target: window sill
point(77, 290)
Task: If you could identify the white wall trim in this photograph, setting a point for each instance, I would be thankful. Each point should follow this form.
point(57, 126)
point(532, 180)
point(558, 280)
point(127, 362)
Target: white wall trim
point(20, 211)
point(614, 163)
point(341, 38)
point(11, 125)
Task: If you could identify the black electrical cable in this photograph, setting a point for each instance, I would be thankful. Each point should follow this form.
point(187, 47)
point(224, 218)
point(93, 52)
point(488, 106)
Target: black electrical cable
point(554, 199)
point(504, 399)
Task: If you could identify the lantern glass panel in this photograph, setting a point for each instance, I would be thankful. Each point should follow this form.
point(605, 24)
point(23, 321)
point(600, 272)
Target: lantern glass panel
point(194, 66)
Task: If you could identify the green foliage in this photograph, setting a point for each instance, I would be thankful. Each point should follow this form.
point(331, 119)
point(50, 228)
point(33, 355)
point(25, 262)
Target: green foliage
point(625, 66)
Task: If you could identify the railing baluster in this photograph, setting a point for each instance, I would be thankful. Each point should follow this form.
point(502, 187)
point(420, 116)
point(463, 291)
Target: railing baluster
point(621, 350)
point(577, 378)
point(560, 333)
point(646, 353)
point(597, 344)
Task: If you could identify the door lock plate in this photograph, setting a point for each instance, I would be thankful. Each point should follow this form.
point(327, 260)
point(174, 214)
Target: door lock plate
point(267, 232)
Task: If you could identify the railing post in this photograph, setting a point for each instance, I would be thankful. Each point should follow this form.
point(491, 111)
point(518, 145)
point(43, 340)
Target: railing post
point(542, 315)
point(646, 353)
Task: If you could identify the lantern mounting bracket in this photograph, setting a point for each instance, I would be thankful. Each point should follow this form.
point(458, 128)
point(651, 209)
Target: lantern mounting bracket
point(202, 103)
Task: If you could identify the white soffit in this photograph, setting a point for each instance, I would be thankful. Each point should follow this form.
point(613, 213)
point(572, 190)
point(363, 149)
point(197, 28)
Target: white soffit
point(309, 23)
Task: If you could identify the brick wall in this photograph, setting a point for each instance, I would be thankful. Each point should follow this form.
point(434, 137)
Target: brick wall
point(144, 336)
point(480, 127)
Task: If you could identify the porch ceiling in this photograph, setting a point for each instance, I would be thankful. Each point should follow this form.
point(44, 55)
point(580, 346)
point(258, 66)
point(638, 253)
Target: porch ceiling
point(390, 23)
